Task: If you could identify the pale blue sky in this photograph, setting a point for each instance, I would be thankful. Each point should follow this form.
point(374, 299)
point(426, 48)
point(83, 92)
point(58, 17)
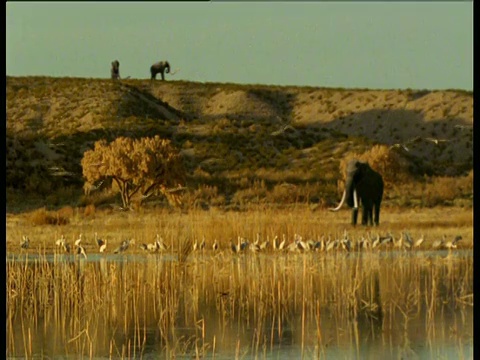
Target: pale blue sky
point(384, 45)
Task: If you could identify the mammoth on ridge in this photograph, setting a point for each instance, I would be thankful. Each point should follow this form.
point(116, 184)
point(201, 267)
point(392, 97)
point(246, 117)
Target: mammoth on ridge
point(115, 70)
point(161, 67)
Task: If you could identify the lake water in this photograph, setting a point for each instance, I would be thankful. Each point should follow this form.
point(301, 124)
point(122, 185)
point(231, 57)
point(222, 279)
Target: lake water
point(393, 305)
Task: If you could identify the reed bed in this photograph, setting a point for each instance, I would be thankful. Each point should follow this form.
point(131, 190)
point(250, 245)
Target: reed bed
point(237, 305)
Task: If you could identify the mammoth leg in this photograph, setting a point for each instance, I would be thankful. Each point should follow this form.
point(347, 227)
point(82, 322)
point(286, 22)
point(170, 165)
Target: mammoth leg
point(163, 75)
point(367, 212)
point(370, 216)
point(377, 214)
point(354, 216)
point(364, 215)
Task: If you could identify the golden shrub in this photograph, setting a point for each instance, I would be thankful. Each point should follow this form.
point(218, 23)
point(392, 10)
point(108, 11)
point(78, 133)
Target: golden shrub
point(389, 163)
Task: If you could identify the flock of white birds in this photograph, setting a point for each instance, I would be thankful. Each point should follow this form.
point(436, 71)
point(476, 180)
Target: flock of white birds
point(324, 243)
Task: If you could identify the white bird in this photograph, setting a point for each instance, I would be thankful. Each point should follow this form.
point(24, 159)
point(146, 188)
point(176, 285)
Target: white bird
point(99, 242)
point(123, 246)
point(332, 244)
point(235, 247)
point(61, 241)
point(376, 241)
point(254, 248)
point(293, 246)
point(407, 240)
point(151, 247)
point(346, 244)
point(438, 244)
point(264, 245)
point(453, 244)
point(103, 247)
point(282, 244)
point(244, 243)
point(420, 241)
point(160, 244)
point(77, 242)
point(81, 250)
point(364, 243)
point(25, 243)
point(66, 247)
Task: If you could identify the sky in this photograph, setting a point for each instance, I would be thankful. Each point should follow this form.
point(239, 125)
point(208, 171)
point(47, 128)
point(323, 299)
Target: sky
point(377, 45)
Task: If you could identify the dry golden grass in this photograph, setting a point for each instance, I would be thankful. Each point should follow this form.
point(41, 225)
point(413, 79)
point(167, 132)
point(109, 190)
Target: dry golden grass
point(175, 227)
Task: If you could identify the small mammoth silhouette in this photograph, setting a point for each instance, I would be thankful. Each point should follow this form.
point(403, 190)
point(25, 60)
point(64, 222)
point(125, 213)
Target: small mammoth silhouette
point(159, 67)
point(115, 71)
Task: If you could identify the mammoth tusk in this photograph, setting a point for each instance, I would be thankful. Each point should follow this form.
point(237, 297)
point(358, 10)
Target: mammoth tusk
point(174, 72)
point(341, 202)
point(355, 200)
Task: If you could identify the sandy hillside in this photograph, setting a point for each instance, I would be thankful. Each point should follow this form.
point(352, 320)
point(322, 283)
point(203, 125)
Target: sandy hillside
point(227, 129)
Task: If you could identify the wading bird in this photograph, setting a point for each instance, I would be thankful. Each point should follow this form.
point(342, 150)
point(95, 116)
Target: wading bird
point(160, 244)
point(235, 247)
point(77, 242)
point(282, 244)
point(25, 243)
point(81, 251)
point(60, 241)
point(100, 242)
point(438, 244)
point(240, 246)
point(332, 244)
point(453, 244)
point(124, 246)
point(103, 247)
point(264, 245)
point(66, 247)
point(244, 244)
point(419, 241)
point(407, 240)
point(215, 245)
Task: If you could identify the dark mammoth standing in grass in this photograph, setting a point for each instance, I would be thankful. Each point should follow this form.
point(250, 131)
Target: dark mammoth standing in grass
point(115, 70)
point(362, 185)
point(159, 67)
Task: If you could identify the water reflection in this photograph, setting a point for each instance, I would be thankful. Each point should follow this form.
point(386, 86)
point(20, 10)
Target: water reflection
point(357, 305)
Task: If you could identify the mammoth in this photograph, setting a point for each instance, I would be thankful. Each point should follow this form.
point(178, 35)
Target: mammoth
point(159, 67)
point(115, 70)
point(362, 185)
